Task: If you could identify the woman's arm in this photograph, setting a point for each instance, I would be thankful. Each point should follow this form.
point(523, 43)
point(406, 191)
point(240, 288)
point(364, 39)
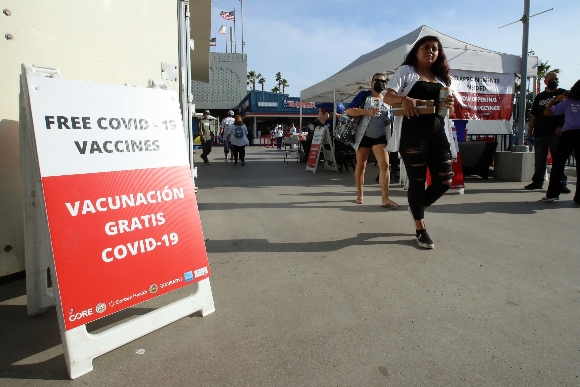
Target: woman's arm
point(548, 111)
point(353, 112)
point(408, 103)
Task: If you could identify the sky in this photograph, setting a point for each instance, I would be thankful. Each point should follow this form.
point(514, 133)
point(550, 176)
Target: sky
point(307, 41)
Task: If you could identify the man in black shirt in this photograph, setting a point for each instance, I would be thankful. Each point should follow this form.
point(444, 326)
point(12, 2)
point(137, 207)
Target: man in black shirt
point(546, 131)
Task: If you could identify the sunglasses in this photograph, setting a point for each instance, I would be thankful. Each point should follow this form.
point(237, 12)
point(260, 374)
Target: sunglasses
point(380, 80)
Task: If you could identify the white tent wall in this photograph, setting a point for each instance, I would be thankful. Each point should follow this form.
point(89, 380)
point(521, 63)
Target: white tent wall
point(460, 56)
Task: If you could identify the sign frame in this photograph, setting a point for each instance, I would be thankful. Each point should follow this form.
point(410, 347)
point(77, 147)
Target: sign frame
point(320, 140)
point(80, 347)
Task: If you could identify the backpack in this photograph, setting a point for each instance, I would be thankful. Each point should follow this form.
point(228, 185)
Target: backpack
point(238, 132)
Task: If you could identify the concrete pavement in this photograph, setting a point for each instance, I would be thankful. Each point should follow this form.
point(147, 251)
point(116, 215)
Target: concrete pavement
point(312, 289)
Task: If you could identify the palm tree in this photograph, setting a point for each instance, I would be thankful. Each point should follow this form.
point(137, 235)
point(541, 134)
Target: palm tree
point(276, 89)
point(543, 69)
point(284, 84)
point(261, 81)
point(252, 77)
point(278, 78)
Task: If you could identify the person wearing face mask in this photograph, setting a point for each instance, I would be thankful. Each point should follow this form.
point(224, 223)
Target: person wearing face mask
point(546, 130)
point(371, 134)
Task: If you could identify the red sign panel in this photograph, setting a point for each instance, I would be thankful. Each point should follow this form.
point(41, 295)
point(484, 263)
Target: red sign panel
point(484, 107)
point(314, 153)
point(121, 238)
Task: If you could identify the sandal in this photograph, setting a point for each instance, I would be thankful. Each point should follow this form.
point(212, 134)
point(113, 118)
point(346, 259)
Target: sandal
point(390, 205)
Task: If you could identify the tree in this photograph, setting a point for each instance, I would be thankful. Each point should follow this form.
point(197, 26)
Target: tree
point(278, 78)
point(261, 81)
point(543, 69)
point(284, 84)
point(252, 77)
point(276, 89)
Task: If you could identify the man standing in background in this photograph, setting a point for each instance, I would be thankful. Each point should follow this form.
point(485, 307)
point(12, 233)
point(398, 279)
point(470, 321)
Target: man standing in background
point(205, 134)
point(545, 131)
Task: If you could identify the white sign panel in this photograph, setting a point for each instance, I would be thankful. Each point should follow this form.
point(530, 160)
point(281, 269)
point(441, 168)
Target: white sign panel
point(119, 133)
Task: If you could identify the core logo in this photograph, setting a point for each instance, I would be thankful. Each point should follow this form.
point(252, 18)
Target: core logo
point(79, 315)
point(101, 307)
point(188, 276)
point(153, 289)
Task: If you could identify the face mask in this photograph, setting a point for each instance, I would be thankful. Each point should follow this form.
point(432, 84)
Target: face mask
point(379, 87)
point(553, 85)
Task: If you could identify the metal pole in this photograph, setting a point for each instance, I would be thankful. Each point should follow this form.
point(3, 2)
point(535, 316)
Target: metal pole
point(523, 73)
point(300, 119)
point(185, 94)
point(235, 42)
point(242, 10)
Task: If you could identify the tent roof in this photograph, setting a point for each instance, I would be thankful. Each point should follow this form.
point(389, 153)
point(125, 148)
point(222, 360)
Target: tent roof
point(460, 56)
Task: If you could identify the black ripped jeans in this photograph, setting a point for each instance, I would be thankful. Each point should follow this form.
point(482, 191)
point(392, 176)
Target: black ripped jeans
point(423, 148)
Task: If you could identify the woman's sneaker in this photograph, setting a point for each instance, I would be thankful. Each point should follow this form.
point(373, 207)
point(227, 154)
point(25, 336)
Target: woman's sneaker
point(532, 186)
point(423, 240)
point(547, 199)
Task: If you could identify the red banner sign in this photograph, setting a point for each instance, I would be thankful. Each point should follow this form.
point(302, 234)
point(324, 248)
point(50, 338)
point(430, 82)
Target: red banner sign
point(484, 96)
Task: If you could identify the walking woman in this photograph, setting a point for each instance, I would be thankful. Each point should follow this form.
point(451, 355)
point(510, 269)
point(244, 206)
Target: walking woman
point(239, 139)
point(424, 141)
point(569, 140)
point(371, 133)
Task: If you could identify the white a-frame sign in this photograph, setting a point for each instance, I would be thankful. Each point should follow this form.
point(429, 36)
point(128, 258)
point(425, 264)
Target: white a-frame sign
point(109, 201)
point(321, 142)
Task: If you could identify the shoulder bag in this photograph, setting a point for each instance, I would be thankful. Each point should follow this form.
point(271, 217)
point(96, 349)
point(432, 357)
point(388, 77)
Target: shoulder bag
point(346, 125)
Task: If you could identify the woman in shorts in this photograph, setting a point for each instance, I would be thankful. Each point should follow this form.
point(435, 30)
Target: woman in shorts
point(371, 134)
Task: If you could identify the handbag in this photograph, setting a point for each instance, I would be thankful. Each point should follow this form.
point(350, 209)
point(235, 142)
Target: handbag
point(346, 125)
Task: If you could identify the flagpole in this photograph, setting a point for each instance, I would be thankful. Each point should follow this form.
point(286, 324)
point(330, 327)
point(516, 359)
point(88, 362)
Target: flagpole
point(235, 43)
point(242, 10)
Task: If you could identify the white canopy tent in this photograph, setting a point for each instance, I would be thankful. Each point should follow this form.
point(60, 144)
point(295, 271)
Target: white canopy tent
point(344, 85)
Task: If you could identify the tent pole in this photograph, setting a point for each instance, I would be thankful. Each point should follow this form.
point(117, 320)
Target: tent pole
point(300, 120)
point(334, 115)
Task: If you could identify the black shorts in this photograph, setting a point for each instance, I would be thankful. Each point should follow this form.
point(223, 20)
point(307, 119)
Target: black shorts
point(368, 142)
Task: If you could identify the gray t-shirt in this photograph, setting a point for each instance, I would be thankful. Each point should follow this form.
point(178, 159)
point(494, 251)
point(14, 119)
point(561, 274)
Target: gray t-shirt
point(378, 125)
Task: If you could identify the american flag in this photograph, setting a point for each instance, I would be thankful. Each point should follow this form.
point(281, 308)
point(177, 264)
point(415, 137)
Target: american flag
point(222, 30)
point(212, 42)
point(228, 15)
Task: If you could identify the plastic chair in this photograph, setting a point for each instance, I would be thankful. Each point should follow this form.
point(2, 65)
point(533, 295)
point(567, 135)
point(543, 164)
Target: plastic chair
point(291, 149)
